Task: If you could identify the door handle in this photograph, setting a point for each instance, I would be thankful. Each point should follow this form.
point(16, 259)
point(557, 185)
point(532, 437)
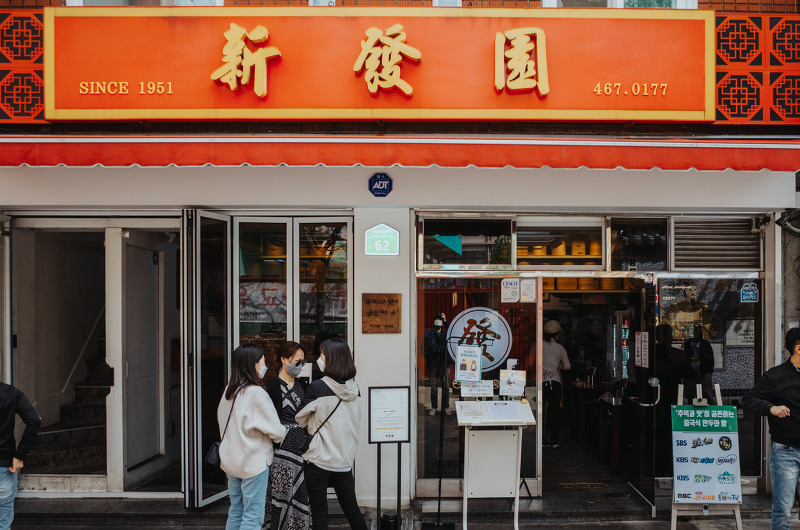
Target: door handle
point(654, 383)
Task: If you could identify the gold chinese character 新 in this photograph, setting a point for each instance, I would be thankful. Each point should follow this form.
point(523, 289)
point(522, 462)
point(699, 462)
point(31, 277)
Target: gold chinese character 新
point(236, 54)
point(387, 56)
point(515, 68)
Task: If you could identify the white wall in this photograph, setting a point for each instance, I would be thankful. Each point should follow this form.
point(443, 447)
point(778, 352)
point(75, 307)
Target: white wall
point(578, 190)
point(383, 359)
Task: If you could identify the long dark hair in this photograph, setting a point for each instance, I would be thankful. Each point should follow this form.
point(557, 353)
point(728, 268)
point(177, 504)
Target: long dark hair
point(338, 359)
point(243, 368)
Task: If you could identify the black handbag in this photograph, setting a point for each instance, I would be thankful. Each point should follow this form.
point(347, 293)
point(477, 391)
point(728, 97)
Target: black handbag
point(212, 456)
point(309, 437)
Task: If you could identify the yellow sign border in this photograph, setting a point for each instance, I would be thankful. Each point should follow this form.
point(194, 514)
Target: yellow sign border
point(51, 113)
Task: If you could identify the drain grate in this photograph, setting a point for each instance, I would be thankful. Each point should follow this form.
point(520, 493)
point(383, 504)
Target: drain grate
point(582, 485)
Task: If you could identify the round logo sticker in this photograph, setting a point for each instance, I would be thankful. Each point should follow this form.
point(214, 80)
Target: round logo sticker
point(483, 327)
point(725, 443)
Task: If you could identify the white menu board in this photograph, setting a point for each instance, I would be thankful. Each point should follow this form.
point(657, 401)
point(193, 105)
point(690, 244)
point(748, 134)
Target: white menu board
point(389, 414)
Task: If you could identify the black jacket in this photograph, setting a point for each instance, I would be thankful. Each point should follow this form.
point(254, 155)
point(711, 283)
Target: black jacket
point(12, 403)
point(273, 387)
point(778, 386)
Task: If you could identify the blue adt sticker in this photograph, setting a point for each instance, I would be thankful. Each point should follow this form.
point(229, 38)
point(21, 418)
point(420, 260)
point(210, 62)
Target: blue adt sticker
point(380, 184)
point(749, 293)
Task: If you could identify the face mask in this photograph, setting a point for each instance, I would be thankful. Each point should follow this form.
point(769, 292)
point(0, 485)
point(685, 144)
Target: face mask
point(262, 371)
point(321, 364)
point(437, 323)
point(293, 369)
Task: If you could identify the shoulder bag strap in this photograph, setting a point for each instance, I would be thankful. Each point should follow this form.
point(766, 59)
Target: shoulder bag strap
point(329, 417)
point(231, 411)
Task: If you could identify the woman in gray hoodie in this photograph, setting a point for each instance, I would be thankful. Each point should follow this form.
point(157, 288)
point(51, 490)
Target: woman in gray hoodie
point(332, 414)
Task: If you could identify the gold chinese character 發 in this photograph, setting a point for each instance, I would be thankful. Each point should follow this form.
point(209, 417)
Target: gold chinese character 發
point(240, 60)
point(515, 68)
point(382, 61)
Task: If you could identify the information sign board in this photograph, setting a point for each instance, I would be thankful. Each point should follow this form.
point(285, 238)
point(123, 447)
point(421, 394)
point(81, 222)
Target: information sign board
point(705, 448)
point(389, 414)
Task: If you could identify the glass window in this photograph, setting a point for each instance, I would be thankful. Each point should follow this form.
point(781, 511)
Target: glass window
point(263, 286)
point(323, 283)
point(639, 244)
point(467, 242)
point(472, 309)
point(559, 246)
point(716, 338)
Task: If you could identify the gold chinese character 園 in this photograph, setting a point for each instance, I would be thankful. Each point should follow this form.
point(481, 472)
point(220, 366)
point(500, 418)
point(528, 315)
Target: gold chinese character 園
point(515, 67)
point(240, 60)
point(382, 62)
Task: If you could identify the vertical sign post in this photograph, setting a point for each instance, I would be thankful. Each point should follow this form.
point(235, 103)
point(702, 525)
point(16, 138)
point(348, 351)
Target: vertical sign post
point(390, 422)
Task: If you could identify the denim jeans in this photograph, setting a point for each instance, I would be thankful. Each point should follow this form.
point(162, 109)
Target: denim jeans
point(8, 491)
point(344, 484)
point(247, 501)
point(784, 466)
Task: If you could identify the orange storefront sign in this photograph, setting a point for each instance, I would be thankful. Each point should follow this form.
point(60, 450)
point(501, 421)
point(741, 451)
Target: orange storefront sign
point(378, 63)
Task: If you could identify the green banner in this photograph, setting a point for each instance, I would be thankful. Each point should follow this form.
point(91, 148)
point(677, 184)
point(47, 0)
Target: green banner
point(686, 418)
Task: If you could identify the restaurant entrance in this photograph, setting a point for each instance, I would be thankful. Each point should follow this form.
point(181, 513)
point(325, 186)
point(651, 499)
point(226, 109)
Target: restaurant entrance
point(628, 341)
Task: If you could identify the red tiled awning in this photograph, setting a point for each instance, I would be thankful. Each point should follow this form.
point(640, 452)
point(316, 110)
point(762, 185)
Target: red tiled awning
point(408, 151)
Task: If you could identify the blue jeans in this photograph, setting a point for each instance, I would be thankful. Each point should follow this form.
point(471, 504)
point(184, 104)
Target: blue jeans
point(784, 466)
point(8, 491)
point(247, 501)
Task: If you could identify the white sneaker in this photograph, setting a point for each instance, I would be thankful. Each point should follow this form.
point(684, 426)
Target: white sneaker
point(432, 412)
point(448, 412)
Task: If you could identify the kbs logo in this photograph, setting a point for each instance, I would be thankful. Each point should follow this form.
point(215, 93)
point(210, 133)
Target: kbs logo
point(725, 443)
point(725, 496)
point(726, 460)
point(683, 478)
point(702, 478)
point(682, 459)
point(684, 495)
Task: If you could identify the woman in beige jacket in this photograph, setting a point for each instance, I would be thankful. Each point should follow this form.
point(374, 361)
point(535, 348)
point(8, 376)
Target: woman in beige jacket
point(248, 426)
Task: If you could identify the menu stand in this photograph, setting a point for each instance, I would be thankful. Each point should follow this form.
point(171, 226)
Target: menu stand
point(493, 449)
point(707, 508)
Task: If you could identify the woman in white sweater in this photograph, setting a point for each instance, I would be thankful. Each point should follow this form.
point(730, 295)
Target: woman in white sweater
point(248, 425)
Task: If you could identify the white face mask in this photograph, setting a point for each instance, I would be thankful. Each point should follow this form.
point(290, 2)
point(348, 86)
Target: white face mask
point(321, 364)
point(437, 323)
point(262, 371)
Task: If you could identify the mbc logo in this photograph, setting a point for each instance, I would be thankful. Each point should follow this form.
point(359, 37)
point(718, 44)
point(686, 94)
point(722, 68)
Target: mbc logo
point(684, 495)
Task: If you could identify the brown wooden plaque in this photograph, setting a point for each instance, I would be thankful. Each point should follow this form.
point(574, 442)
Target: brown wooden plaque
point(380, 312)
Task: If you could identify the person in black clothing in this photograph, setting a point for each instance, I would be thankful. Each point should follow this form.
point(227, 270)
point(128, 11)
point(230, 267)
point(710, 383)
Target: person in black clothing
point(777, 396)
point(438, 360)
point(288, 506)
point(701, 359)
point(12, 456)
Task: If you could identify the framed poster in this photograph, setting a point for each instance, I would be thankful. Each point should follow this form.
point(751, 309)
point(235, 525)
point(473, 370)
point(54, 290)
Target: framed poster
point(389, 414)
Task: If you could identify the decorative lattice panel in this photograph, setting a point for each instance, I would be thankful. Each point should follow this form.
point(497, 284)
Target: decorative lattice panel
point(21, 70)
point(758, 68)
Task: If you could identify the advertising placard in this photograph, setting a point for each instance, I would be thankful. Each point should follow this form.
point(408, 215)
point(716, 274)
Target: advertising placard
point(468, 363)
point(479, 389)
point(705, 448)
point(509, 290)
point(389, 414)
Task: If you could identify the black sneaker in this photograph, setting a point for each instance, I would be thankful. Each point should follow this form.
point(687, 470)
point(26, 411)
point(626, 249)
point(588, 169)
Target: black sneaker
point(551, 444)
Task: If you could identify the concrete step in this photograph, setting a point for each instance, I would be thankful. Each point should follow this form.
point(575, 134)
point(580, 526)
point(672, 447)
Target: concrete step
point(88, 393)
point(83, 414)
point(61, 433)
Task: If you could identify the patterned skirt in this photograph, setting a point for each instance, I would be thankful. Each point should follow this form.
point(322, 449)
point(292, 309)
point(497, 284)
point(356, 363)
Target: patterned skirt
point(287, 498)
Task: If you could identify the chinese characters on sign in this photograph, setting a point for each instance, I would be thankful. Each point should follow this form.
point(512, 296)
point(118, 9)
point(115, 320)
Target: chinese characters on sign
point(485, 329)
point(380, 313)
point(240, 60)
point(515, 67)
point(382, 62)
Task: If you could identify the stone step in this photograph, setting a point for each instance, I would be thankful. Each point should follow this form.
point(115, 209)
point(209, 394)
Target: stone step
point(83, 414)
point(87, 393)
point(60, 433)
point(66, 458)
